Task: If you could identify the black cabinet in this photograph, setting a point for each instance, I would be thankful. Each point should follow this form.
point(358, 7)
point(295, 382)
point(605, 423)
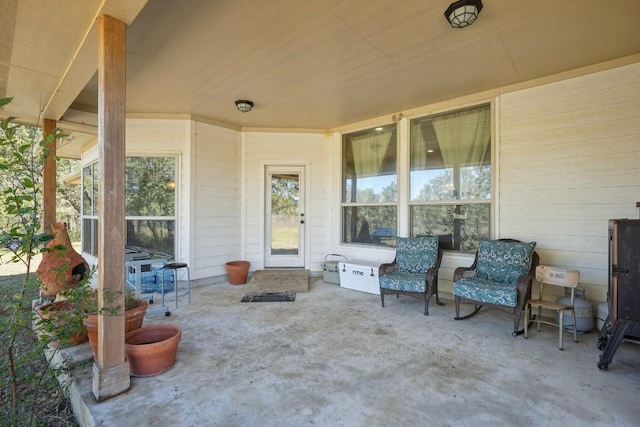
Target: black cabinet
point(624, 270)
point(624, 288)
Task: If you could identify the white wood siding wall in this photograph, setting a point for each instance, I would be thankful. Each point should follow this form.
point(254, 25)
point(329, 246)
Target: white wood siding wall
point(264, 148)
point(215, 231)
point(569, 160)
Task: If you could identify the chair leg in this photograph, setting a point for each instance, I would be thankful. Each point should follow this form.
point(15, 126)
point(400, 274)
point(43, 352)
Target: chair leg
point(561, 327)
point(382, 296)
point(188, 285)
point(426, 303)
point(477, 308)
point(175, 284)
point(575, 326)
point(527, 309)
point(538, 318)
point(162, 286)
point(434, 287)
point(516, 324)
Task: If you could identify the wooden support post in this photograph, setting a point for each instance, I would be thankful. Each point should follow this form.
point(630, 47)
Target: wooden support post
point(49, 179)
point(111, 370)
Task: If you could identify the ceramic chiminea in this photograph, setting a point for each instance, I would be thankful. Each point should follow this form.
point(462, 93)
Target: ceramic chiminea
point(61, 266)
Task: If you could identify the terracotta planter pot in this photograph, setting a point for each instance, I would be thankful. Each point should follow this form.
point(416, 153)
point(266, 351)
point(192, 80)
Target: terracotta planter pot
point(61, 266)
point(59, 313)
point(133, 319)
point(151, 350)
point(237, 271)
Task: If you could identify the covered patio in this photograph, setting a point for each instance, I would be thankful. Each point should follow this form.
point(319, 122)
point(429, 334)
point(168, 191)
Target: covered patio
point(335, 357)
point(561, 80)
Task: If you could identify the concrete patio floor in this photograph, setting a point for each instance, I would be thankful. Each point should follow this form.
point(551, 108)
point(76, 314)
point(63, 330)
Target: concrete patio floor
point(335, 357)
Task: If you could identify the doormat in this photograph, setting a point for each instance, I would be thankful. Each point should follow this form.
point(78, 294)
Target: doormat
point(269, 297)
point(279, 280)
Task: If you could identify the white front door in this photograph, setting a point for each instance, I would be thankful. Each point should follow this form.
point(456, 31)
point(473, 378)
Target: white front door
point(284, 216)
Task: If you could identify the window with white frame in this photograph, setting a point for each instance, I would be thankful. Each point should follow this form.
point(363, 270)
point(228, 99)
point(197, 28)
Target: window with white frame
point(450, 177)
point(150, 204)
point(370, 186)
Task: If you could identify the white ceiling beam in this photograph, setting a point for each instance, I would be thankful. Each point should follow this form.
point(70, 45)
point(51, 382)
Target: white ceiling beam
point(84, 62)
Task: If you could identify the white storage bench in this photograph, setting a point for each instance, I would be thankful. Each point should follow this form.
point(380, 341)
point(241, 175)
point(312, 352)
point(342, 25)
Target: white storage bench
point(360, 276)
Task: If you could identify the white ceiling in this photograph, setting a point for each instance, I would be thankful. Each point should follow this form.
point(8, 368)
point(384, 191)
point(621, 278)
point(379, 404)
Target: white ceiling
point(307, 64)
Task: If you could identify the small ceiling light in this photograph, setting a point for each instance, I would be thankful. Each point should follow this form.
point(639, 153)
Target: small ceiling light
point(463, 13)
point(244, 105)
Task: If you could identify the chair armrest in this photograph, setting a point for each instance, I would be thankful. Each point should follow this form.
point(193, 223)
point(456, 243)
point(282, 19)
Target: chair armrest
point(525, 282)
point(387, 268)
point(524, 285)
point(458, 273)
point(432, 273)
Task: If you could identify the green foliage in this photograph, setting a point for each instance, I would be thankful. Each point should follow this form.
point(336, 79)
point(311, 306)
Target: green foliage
point(23, 152)
point(27, 380)
point(149, 201)
point(149, 192)
point(285, 196)
point(84, 299)
point(68, 202)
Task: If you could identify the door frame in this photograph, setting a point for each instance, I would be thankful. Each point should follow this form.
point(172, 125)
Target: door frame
point(301, 167)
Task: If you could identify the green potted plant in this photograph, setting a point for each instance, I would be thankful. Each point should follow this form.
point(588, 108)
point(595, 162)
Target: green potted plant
point(60, 323)
point(135, 310)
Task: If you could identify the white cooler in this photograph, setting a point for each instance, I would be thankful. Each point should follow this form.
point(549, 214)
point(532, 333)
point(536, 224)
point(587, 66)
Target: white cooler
point(360, 276)
point(331, 274)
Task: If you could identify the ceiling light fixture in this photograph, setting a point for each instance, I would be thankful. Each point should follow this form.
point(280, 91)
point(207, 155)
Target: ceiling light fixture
point(463, 13)
point(244, 105)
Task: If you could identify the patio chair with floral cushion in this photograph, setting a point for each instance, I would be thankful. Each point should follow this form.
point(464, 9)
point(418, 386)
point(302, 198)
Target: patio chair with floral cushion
point(500, 277)
point(414, 271)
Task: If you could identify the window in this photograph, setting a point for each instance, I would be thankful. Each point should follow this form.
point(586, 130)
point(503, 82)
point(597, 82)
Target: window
point(450, 177)
point(149, 204)
point(370, 186)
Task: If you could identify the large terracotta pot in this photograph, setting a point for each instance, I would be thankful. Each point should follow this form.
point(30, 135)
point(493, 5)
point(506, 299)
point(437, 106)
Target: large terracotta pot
point(133, 319)
point(61, 266)
point(63, 332)
point(151, 350)
point(237, 271)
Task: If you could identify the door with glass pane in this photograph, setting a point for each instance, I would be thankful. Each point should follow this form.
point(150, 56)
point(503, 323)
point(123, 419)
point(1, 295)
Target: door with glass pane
point(284, 216)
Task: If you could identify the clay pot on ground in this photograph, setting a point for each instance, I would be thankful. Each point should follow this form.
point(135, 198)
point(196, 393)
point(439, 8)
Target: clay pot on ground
point(60, 321)
point(61, 266)
point(151, 350)
point(237, 271)
point(133, 319)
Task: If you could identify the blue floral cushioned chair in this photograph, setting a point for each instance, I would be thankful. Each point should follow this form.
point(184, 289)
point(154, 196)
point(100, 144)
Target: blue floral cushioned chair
point(500, 277)
point(414, 271)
